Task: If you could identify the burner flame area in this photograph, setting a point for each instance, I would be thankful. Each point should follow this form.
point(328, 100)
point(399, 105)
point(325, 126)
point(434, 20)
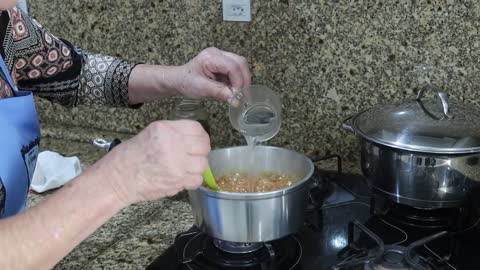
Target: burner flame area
point(393, 258)
point(237, 248)
point(200, 251)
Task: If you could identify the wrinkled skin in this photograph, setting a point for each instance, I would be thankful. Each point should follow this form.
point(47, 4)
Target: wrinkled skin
point(206, 75)
point(7, 4)
point(163, 159)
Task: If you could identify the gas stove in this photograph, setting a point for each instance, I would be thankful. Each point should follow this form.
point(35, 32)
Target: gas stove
point(347, 227)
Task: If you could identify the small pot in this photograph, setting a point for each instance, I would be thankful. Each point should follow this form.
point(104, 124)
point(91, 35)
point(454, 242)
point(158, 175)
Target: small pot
point(421, 153)
point(253, 217)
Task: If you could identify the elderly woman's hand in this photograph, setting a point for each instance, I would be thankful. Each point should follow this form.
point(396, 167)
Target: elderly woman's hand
point(163, 159)
point(211, 73)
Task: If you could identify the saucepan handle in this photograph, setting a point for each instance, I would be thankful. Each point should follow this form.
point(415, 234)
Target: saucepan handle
point(443, 98)
point(106, 145)
point(347, 124)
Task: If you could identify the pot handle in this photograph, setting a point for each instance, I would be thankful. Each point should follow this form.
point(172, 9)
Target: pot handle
point(347, 124)
point(316, 159)
point(106, 145)
point(443, 98)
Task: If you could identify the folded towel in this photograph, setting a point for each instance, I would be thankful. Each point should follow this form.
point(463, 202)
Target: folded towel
point(53, 171)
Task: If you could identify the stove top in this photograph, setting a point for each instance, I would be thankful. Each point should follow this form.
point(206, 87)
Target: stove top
point(352, 229)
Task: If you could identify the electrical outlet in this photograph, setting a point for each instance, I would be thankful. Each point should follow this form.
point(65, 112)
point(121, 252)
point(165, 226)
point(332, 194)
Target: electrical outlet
point(237, 10)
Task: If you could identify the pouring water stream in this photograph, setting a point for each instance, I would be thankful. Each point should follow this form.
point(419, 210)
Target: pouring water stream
point(256, 122)
point(257, 118)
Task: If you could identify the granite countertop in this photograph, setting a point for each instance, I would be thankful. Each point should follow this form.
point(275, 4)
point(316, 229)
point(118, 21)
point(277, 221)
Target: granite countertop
point(137, 234)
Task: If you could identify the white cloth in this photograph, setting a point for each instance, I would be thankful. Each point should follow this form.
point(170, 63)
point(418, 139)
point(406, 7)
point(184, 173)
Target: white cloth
point(54, 170)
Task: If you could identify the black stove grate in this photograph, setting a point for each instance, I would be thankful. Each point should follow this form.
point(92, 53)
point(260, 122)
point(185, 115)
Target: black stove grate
point(345, 223)
point(368, 251)
point(420, 249)
point(451, 219)
point(196, 251)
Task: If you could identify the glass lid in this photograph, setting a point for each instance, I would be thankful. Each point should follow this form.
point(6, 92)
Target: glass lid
point(423, 125)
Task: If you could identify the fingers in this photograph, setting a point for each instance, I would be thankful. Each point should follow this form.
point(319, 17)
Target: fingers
point(189, 128)
point(187, 133)
point(195, 169)
point(219, 91)
point(196, 165)
point(192, 182)
point(243, 67)
point(221, 74)
point(197, 145)
point(233, 66)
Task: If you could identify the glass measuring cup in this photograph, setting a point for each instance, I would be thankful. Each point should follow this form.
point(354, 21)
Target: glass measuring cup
point(258, 116)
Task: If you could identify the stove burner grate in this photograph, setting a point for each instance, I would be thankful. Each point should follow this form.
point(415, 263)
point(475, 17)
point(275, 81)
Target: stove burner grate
point(237, 248)
point(389, 257)
point(203, 252)
point(449, 219)
point(393, 258)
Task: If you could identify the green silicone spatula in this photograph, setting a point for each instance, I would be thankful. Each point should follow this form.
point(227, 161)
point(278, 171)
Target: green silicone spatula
point(209, 179)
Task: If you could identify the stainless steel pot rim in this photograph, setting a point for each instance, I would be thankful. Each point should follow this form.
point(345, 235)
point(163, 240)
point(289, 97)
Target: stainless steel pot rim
point(352, 127)
point(419, 125)
point(420, 149)
point(262, 195)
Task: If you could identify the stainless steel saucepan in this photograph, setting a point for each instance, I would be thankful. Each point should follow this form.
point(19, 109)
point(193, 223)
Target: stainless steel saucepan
point(253, 217)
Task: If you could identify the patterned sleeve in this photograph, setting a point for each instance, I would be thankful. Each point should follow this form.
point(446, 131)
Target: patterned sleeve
point(53, 68)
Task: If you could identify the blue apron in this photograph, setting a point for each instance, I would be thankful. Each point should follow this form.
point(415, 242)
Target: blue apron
point(19, 140)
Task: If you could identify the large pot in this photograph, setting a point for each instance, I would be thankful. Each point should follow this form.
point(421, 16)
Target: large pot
point(423, 153)
point(253, 217)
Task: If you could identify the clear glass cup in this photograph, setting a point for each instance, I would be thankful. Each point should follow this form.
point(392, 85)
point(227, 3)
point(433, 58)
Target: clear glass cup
point(258, 116)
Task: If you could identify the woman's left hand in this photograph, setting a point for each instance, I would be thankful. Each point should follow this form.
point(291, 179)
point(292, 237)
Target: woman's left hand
point(211, 73)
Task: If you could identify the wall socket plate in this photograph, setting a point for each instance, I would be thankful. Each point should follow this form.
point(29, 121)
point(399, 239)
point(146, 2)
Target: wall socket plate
point(237, 10)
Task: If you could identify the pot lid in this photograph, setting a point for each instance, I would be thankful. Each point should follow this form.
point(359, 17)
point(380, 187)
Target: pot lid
point(423, 125)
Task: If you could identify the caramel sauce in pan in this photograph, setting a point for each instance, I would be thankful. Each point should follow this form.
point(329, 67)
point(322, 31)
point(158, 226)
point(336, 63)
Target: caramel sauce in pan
point(265, 182)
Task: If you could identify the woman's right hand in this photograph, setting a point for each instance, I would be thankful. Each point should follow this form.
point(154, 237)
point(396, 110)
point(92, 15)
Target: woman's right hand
point(163, 159)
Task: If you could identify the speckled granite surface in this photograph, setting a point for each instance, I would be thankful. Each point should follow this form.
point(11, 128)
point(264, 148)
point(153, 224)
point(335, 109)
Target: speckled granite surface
point(328, 59)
